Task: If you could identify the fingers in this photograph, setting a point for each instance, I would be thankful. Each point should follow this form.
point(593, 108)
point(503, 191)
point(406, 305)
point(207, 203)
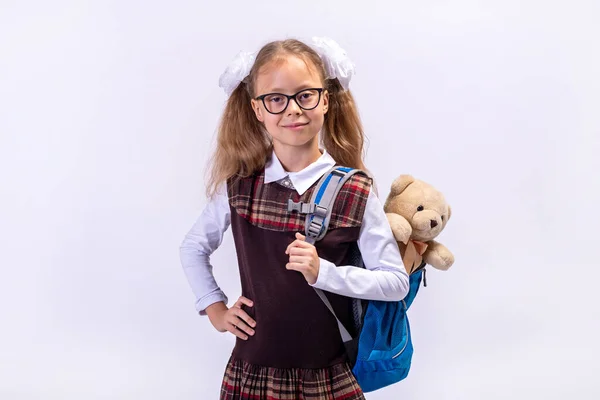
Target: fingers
point(298, 243)
point(241, 330)
point(297, 266)
point(237, 330)
point(297, 251)
point(239, 323)
point(301, 244)
point(290, 246)
point(242, 315)
point(243, 300)
point(300, 259)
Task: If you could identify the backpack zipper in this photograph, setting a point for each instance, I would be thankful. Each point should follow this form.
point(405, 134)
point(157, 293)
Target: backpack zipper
point(422, 267)
point(406, 342)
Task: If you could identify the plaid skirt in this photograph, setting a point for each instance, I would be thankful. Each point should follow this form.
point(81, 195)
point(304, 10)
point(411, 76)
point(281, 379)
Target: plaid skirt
point(243, 381)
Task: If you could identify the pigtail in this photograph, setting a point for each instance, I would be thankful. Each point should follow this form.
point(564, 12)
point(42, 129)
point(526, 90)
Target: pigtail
point(342, 133)
point(242, 142)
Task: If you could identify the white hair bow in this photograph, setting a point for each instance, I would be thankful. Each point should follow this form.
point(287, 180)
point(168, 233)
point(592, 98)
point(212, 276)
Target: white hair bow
point(337, 65)
point(237, 71)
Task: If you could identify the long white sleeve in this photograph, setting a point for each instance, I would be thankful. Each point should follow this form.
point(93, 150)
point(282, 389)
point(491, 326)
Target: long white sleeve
point(384, 278)
point(200, 242)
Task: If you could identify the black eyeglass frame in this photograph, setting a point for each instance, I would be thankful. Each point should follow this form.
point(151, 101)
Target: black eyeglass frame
point(288, 98)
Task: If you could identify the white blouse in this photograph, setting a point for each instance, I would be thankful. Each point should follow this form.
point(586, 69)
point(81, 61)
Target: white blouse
point(384, 277)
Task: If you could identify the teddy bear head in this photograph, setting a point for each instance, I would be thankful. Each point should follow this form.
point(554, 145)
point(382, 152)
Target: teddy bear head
point(423, 206)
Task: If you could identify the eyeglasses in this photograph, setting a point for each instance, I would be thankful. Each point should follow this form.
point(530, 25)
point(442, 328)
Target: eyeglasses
point(276, 103)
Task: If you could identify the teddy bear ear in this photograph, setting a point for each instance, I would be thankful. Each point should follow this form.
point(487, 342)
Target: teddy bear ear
point(401, 183)
point(449, 211)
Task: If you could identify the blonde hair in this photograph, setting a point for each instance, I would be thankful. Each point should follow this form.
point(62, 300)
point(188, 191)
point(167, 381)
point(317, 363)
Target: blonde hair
point(243, 144)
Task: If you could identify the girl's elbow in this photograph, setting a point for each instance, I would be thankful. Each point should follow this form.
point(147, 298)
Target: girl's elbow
point(397, 285)
point(185, 250)
point(401, 288)
point(405, 286)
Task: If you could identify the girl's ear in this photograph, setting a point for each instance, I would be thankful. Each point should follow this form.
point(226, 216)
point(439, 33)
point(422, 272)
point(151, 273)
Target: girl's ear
point(325, 101)
point(257, 110)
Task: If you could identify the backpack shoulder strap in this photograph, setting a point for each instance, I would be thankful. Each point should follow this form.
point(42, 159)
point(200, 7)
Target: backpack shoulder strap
point(318, 214)
point(323, 200)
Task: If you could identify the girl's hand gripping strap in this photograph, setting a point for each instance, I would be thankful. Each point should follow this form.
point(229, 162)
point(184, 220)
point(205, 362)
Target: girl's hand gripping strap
point(318, 214)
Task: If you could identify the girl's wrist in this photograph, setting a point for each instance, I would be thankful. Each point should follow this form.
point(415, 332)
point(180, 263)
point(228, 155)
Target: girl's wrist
point(215, 310)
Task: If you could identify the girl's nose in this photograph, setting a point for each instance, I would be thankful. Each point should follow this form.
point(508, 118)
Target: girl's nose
point(293, 108)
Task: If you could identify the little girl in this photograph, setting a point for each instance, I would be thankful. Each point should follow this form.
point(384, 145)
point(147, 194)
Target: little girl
point(288, 120)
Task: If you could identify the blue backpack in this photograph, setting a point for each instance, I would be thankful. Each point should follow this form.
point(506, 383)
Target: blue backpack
point(381, 352)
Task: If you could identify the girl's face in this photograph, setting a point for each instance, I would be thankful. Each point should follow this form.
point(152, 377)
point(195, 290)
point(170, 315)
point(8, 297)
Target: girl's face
point(294, 126)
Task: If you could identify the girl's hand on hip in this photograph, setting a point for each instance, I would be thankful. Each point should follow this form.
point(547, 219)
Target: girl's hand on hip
point(234, 319)
point(303, 258)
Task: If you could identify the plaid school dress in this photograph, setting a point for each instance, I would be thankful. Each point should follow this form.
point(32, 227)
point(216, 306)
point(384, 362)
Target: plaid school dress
point(297, 351)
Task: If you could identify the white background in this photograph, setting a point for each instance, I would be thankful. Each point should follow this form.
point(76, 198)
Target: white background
point(108, 112)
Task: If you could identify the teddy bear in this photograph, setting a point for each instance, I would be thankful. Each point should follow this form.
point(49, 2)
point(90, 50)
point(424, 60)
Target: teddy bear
point(417, 213)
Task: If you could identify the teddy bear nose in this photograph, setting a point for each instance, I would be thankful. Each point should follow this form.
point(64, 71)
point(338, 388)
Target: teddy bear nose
point(434, 223)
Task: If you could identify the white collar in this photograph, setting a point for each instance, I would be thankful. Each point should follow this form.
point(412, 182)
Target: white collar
point(303, 179)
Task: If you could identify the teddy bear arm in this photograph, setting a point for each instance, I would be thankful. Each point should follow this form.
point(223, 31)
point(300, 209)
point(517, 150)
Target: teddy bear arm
point(438, 256)
point(400, 227)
